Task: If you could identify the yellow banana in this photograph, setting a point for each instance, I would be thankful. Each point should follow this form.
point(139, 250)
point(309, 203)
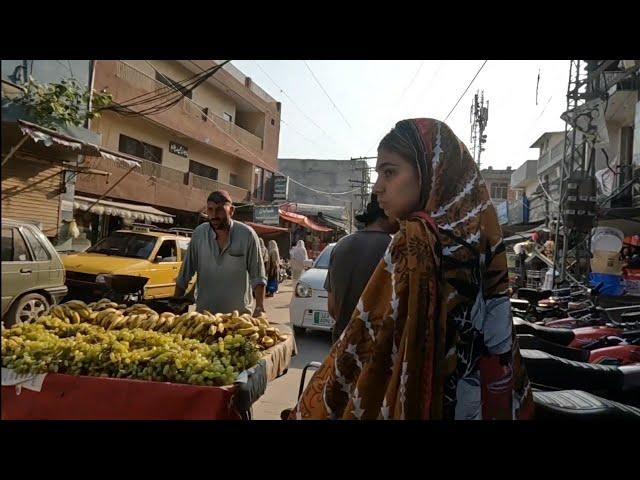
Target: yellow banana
point(247, 331)
point(254, 337)
point(267, 342)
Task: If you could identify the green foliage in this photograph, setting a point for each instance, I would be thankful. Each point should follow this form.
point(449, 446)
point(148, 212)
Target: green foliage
point(65, 102)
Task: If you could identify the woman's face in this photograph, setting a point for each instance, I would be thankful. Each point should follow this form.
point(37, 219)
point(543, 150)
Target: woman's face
point(398, 186)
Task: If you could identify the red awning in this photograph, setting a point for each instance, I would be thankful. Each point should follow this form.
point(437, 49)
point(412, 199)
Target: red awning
point(303, 221)
point(265, 229)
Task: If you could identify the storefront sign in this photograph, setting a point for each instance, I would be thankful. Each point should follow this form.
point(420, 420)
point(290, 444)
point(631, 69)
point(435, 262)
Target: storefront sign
point(266, 215)
point(179, 149)
point(280, 188)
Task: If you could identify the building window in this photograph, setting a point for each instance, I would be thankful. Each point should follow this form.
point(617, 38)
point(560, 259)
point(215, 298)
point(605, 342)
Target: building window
point(139, 149)
point(499, 191)
point(233, 179)
point(162, 78)
point(257, 183)
point(273, 122)
point(228, 117)
point(203, 170)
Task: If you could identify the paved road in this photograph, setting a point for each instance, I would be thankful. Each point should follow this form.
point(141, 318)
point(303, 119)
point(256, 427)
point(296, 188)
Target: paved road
point(313, 346)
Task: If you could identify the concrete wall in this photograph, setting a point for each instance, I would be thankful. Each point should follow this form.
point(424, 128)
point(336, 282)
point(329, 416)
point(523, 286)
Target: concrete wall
point(111, 125)
point(324, 175)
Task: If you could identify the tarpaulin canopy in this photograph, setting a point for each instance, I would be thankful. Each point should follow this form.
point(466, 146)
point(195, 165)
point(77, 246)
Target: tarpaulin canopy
point(50, 137)
point(145, 213)
point(302, 221)
point(266, 229)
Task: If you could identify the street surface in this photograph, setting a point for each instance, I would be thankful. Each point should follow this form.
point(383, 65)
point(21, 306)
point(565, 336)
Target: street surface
point(313, 346)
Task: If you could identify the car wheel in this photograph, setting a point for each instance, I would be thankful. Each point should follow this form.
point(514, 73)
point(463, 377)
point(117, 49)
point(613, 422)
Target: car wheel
point(27, 309)
point(299, 331)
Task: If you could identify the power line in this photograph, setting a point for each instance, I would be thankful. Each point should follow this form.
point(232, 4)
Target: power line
point(206, 113)
point(466, 89)
point(406, 89)
point(325, 92)
point(293, 102)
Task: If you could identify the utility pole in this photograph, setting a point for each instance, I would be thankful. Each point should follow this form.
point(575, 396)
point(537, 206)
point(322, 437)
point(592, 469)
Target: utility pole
point(364, 182)
point(479, 117)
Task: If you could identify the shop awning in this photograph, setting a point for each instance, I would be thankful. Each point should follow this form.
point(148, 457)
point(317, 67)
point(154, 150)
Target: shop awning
point(302, 221)
point(144, 213)
point(266, 229)
point(50, 137)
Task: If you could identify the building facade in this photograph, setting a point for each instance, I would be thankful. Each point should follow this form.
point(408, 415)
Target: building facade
point(499, 185)
point(224, 134)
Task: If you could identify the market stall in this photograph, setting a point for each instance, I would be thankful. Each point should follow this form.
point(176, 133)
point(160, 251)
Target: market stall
point(107, 361)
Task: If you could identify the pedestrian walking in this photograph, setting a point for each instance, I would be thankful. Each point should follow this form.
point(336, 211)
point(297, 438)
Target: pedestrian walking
point(431, 336)
point(273, 268)
point(298, 257)
point(352, 262)
point(226, 256)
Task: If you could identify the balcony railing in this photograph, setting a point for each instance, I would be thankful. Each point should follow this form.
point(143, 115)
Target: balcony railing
point(188, 106)
point(178, 177)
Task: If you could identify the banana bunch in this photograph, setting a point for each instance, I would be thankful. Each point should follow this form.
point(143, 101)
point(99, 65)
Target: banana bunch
point(205, 327)
point(74, 311)
point(103, 304)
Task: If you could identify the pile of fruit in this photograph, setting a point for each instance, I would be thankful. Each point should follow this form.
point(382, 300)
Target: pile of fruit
point(205, 327)
point(52, 344)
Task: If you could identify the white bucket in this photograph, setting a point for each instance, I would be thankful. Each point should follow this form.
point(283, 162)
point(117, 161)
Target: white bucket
point(606, 239)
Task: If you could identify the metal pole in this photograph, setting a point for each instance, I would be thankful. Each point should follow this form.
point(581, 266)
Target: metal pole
point(111, 188)
point(15, 149)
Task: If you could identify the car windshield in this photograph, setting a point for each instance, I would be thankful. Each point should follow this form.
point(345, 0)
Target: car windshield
point(124, 244)
point(323, 259)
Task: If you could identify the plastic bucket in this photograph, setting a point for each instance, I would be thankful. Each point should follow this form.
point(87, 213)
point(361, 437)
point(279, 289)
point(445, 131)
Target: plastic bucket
point(607, 239)
point(612, 285)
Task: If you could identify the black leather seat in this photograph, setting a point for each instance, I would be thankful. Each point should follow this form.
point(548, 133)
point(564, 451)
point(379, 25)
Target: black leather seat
point(519, 304)
point(561, 336)
point(532, 342)
point(576, 404)
point(549, 370)
point(533, 296)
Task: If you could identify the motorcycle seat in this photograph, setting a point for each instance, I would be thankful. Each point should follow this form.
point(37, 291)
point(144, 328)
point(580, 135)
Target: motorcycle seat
point(532, 342)
point(533, 296)
point(576, 404)
point(519, 304)
point(561, 336)
point(550, 370)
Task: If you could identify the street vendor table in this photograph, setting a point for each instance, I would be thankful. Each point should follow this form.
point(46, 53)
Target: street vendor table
point(68, 397)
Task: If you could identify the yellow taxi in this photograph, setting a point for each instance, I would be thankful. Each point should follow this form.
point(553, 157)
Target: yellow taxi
point(142, 251)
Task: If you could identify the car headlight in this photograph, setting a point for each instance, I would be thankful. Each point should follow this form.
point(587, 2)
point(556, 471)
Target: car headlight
point(303, 290)
point(101, 279)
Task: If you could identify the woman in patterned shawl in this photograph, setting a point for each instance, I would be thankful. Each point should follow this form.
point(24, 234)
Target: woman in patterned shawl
point(432, 336)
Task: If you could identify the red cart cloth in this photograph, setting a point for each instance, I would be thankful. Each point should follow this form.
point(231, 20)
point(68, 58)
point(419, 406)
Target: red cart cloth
point(67, 397)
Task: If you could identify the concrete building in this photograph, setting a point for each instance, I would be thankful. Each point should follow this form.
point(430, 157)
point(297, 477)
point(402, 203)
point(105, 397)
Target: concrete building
point(224, 134)
point(39, 171)
point(499, 186)
point(528, 204)
point(325, 176)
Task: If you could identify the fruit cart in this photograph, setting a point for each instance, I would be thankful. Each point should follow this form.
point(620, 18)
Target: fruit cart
point(108, 363)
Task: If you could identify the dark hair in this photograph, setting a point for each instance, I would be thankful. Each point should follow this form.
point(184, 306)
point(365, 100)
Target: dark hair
point(220, 196)
point(395, 142)
point(372, 213)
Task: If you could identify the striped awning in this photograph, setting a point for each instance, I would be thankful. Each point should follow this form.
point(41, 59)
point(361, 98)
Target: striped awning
point(144, 213)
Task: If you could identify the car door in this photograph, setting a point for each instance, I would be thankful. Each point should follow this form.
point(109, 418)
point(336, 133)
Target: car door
point(165, 270)
point(43, 270)
point(18, 274)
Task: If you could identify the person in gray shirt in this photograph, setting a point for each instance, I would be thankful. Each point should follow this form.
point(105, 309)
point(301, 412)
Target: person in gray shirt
point(226, 256)
point(352, 262)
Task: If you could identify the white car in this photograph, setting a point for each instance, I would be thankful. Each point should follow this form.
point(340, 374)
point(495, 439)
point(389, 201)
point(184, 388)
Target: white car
point(309, 306)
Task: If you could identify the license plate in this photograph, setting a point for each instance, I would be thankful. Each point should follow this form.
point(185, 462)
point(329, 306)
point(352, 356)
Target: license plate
point(322, 319)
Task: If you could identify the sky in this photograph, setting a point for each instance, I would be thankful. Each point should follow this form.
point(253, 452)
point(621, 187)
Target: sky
point(370, 96)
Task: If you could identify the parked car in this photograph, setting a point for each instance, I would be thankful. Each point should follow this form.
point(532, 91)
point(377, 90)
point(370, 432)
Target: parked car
point(152, 254)
point(33, 276)
point(309, 306)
